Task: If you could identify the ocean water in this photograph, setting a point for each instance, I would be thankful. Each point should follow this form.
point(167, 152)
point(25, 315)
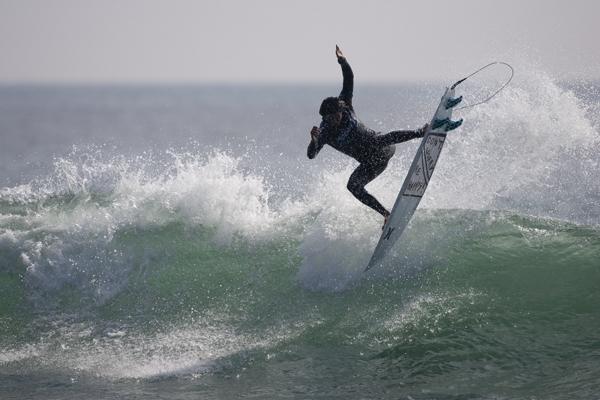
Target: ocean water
point(175, 243)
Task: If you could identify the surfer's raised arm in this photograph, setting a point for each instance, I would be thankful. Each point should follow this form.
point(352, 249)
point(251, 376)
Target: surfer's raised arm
point(348, 87)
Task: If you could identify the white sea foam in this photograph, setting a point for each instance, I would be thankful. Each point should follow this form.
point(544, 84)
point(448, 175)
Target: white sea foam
point(188, 350)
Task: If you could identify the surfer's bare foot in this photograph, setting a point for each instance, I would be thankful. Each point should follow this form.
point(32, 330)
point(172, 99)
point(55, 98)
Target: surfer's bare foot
point(385, 220)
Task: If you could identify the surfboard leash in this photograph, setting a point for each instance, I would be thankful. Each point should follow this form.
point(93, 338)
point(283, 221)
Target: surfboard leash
point(512, 74)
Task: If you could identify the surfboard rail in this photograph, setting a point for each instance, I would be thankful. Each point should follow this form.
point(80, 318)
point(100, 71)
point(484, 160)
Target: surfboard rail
point(418, 177)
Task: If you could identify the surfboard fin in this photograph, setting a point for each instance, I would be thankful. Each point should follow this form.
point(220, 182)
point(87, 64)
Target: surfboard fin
point(438, 123)
point(451, 125)
point(452, 102)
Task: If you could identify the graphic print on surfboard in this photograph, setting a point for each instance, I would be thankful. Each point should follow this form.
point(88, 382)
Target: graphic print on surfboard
point(418, 176)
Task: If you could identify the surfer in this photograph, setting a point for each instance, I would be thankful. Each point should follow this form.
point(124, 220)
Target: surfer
point(344, 132)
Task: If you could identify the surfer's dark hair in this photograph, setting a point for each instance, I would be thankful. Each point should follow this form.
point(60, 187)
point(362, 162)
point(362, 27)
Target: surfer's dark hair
point(329, 106)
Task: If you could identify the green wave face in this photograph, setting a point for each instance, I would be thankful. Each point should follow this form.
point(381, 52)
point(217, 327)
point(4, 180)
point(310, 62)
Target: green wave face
point(503, 300)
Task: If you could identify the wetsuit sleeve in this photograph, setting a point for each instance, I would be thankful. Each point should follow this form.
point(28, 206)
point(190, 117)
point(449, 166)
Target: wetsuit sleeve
point(314, 148)
point(347, 89)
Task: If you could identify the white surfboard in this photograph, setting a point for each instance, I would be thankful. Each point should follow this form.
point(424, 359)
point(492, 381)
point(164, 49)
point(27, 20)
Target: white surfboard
point(418, 177)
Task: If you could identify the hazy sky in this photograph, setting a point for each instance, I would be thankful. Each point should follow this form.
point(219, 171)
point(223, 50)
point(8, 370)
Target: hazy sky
point(290, 41)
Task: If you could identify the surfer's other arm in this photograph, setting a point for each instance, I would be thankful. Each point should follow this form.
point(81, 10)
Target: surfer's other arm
point(315, 144)
point(348, 87)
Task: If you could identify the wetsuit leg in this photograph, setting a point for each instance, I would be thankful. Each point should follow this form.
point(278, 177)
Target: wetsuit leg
point(362, 175)
point(396, 137)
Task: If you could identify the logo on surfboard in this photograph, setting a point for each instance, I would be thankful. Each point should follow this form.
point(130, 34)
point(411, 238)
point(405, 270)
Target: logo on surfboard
point(424, 169)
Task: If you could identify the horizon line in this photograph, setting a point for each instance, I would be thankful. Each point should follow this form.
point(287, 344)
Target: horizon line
point(223, 83)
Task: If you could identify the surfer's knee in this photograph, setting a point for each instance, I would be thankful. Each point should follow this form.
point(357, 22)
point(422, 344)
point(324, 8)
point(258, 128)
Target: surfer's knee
point(351, 186)
point(355, 188)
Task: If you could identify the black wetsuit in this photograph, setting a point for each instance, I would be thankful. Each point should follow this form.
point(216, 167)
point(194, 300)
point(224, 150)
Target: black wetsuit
point(371, 149)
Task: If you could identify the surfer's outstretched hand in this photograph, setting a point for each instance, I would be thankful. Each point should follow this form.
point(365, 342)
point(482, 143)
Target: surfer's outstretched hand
point(423, 129)
point(314, 133)
point(339, 53)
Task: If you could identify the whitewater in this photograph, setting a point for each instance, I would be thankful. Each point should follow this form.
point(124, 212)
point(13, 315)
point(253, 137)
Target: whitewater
point(177, 243)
